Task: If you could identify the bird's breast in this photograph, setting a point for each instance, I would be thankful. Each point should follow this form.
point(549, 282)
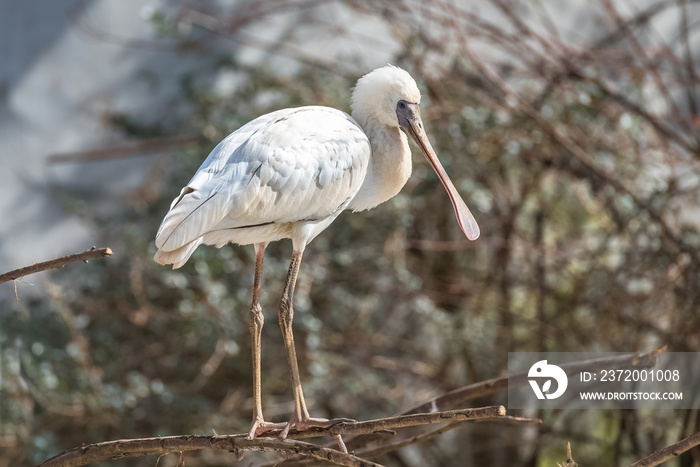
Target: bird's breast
point(388, 171)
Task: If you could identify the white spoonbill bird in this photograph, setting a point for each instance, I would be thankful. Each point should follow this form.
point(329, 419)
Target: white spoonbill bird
point(289, 174)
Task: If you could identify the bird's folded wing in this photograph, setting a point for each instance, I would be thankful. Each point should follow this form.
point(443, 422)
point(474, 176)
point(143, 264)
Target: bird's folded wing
point(287, 166)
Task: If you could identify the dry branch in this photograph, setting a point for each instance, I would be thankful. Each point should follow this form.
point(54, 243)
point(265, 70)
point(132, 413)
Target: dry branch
point(461, 395)
point(238, 444)
point(398, 444)
point(419, 438)
point(407, 420)
point(487, 387)
point(669, 452)
point(127, 150)
point(56, 263)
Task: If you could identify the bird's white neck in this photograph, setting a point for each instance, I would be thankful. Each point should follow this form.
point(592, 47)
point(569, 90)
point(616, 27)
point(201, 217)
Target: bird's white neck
point(389, 167)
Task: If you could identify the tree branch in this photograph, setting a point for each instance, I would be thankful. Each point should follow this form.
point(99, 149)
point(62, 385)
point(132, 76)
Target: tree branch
point(421, 437)
point(406, 420)
point(669, 452)
point(130, 149)
point(239, 444)
point(461, 395)
point(56, 263)
point(417, 416)
point(487, 387)
point(384, 448)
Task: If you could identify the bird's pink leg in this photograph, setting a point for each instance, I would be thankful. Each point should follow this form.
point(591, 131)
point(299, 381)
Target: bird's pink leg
point(256, 320)
point(300, 419)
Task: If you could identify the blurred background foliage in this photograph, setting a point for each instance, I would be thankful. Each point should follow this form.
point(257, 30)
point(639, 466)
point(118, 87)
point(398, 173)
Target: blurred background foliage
point(579, 160)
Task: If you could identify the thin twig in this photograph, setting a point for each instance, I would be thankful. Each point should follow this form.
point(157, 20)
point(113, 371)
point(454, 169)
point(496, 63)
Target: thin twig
point(55, 263)
point(669, 452)
point(419, 438)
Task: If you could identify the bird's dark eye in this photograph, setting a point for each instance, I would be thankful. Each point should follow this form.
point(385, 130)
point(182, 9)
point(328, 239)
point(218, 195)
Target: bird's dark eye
point(402, 104)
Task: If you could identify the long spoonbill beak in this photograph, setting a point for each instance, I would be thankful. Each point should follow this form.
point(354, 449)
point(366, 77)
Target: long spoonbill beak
point(410, 121)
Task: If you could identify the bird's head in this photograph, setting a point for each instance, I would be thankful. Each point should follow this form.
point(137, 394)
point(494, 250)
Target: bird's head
point(380, 94)
point(389, 96)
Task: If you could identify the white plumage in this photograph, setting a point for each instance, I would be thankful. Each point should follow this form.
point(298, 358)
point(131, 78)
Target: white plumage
point(285, 170)
point(289, 174)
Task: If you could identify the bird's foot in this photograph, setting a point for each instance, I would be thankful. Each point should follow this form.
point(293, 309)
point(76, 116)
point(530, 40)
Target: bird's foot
point(307, 422)
point(260, 426)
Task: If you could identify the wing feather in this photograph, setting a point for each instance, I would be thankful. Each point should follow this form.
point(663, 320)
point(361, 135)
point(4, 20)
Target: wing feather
point(286, 166)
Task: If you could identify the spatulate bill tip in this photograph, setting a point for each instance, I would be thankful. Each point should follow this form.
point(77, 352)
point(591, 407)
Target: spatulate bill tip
point(470, 229)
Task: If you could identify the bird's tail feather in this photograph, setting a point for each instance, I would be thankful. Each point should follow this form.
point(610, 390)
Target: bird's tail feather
point(194, 213)
point(178, 256)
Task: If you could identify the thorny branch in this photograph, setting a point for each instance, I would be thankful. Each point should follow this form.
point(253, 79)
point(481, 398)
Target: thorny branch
point(477, 390)
point(239, 444)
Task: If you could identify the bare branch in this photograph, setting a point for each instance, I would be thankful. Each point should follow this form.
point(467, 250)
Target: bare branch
point(484, 388)
point(127, 150)
point(56, 263)
point(239, 443)
point(419, 438)
point(236, 444)
point(401, 443)
point(407, 420)
point(669, 452)
point(487, 387)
